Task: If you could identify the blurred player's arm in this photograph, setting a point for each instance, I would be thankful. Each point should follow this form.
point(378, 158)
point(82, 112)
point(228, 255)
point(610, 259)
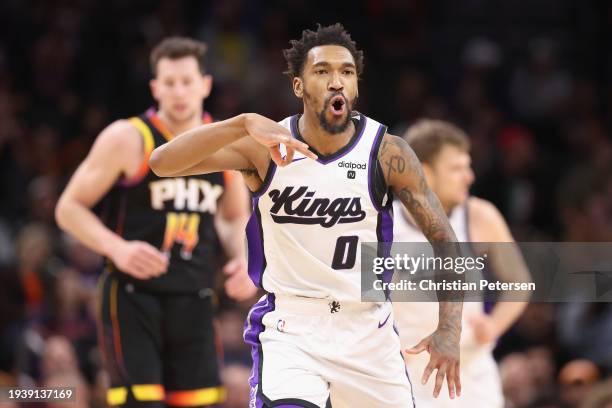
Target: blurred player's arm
point(404, 175)
point(245, 142)
point(115, 149)
point(489, 227)
point(230, 222)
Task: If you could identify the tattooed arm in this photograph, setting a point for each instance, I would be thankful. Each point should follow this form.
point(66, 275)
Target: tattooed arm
point(404, 175)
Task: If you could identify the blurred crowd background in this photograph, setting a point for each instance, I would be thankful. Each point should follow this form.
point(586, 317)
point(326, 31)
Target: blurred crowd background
point(530, 81)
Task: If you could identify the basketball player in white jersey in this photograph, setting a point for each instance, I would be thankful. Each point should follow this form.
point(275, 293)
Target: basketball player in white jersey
point(444, 152)
point(311, 337)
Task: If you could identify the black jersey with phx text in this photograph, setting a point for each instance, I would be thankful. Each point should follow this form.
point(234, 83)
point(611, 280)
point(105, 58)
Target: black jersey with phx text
point(175, 215)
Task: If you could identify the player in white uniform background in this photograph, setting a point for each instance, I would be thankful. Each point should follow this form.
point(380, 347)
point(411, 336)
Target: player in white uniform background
point(312, 339)
point(444, 152)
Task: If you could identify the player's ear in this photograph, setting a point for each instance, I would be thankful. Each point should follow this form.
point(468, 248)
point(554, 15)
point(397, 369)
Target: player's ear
point(207, 81)
point(153, 86)
point(298, 87)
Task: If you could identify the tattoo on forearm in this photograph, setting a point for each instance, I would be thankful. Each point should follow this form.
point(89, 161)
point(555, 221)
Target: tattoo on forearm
point(451, 313)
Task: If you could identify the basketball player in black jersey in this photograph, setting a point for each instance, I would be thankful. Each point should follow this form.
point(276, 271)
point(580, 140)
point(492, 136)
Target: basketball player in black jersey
point(159, 236)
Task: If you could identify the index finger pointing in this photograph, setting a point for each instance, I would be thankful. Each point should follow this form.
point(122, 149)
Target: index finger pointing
point(302, 148)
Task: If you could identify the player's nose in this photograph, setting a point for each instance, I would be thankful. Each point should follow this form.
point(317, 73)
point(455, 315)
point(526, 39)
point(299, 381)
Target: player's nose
point(335, 83)
point(180, 90)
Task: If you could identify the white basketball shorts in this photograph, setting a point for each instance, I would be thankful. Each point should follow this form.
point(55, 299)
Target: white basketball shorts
point(314, 352)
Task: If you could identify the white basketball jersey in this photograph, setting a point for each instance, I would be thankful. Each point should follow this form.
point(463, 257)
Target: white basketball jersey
point(416, 320)
point(311, 216)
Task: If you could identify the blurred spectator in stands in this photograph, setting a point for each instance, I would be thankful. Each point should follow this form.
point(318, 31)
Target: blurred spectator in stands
point(412, 93)
point(482, 58)
point(42, 197)
point(235, 377)
point(231, 325)
point(542, 367)
point(12, 316)
point(540, 90)
point(12, 157)
point(58, 357)
point(589, 142)
point(527, 379)
point(576, 379)
point(586, 331)
point(519, 159)
point(98, 391)
point(233, 48)
point(517, 381)
point(585, 204)
point(535, 328)
point(43, 157)
point(7, 380)
point(73, 380)
point(88, 263)
point(600, 396)
point(60, 369)
point(36, 266)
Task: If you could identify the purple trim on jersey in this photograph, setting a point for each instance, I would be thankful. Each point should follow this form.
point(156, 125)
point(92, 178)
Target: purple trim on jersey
point(267, 180)
point(293, 126)
point(385, 236)
point(253, 328)
point(257, 257)
point(372, 165)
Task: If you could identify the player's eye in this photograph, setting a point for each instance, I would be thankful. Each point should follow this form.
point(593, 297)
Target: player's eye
point(187, 82)
point(169, 83)
point(321, 71)
point(349, 72)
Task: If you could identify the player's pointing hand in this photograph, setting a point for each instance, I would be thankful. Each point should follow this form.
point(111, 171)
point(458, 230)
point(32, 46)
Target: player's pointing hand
point(443, 348)
point(271, 134)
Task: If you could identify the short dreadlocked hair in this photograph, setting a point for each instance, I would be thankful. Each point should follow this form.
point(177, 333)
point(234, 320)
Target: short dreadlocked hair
point(329, 35)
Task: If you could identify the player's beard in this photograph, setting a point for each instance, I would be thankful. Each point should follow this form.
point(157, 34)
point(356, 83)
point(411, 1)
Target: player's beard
point(334, 128)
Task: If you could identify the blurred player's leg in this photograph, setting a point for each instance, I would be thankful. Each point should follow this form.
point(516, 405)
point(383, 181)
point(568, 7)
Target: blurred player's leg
point(190, 356)
point(130, 320)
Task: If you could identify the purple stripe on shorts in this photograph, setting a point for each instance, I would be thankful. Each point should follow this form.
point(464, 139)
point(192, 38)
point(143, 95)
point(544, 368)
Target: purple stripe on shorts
point(254, 234)
point(253, 328)
point(406, 369)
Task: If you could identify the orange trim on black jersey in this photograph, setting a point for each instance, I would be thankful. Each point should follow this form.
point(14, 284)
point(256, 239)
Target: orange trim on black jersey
point(115, 321)
point(99, 320)
point(228, 177)
point(148, 144)
point(198, 397)
point(156, 121)
point(159, 125)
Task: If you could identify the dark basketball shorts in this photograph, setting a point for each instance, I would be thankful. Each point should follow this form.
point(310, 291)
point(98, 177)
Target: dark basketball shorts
point(159, 349)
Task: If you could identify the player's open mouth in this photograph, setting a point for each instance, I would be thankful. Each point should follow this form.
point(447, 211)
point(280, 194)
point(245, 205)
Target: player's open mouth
point(337, 105)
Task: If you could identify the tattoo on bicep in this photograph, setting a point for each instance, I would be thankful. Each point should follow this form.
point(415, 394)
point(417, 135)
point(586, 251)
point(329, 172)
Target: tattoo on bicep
point(395, 163)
